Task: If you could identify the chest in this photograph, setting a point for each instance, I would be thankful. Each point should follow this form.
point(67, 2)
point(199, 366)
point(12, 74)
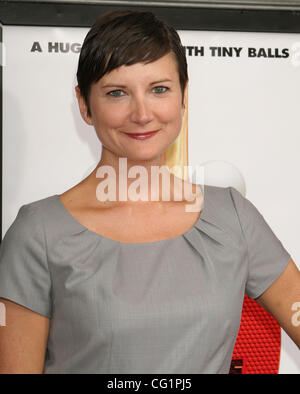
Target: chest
point(138, 224)
point(143, 303)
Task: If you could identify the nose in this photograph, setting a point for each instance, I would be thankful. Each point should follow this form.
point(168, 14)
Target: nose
point(141, 112)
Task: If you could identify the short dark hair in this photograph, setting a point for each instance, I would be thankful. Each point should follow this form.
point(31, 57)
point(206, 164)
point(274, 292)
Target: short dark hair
point(125, 37)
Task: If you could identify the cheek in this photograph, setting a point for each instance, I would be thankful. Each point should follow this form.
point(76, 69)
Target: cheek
point(110, 118)
point(170, 113)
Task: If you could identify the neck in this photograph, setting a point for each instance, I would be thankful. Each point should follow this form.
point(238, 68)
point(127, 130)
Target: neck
point(121, 180)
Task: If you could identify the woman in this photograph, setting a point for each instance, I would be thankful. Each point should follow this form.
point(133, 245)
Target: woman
point(123, 286)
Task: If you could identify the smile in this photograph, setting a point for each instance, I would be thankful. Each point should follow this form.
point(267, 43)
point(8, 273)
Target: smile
point(142, 136)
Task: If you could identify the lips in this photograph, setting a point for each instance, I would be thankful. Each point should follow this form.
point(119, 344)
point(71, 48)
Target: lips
point(142, 136)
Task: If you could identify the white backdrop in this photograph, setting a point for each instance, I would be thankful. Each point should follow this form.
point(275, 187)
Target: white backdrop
point(243, 117)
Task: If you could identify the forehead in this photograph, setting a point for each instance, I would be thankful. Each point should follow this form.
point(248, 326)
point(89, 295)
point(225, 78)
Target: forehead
point(163, 68)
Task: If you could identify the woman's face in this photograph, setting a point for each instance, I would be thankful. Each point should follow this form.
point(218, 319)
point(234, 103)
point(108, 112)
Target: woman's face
point(137, 99)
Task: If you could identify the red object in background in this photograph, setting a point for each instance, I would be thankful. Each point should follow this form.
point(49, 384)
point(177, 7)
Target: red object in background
point(258, 344)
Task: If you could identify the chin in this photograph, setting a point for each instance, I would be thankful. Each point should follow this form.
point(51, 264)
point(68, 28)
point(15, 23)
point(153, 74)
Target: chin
point(142, 158)
point(144, 155)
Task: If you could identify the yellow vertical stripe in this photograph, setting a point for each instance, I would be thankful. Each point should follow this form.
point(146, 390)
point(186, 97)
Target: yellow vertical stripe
point(177, 153)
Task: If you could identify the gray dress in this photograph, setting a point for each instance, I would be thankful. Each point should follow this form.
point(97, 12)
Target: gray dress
point(170, 306)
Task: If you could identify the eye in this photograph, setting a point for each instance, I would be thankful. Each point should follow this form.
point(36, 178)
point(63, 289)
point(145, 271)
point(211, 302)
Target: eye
point(115, 93)
point(160, 89)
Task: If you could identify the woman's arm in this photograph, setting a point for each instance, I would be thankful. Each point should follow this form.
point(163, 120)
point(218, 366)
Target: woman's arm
point(23, 340)
point(282, 300)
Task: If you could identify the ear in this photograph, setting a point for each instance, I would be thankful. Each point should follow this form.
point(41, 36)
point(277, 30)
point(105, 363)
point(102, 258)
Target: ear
point(83, 107)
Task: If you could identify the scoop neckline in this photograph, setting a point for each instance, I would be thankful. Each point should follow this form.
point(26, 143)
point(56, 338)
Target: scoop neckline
point(100, 236)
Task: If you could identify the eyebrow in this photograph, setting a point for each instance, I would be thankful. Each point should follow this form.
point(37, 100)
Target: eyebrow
point(160, 81)
point(123, 86)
